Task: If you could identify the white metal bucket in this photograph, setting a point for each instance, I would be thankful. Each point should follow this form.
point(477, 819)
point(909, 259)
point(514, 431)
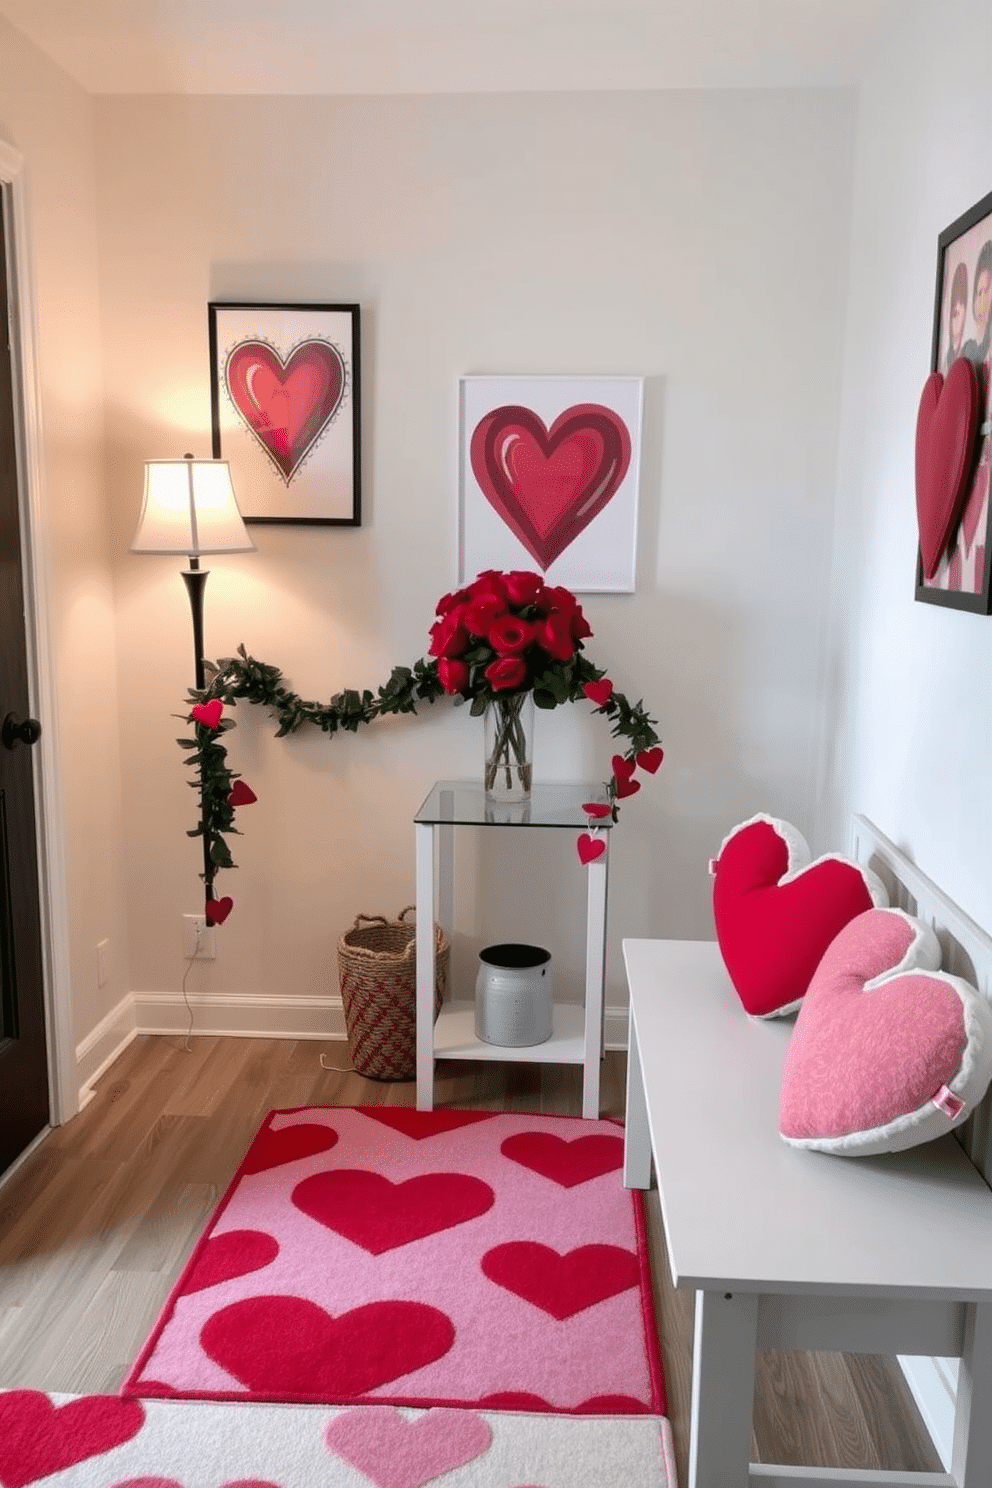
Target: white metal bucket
point(513, 997)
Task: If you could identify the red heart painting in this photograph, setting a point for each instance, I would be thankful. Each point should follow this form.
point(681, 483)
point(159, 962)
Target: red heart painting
point(286, 404)
point(547, 485)
point(565, 1163)
point(946, 424)
point(235, 1253)
point(289, 1348)
point(561, 1285)
point(38, 1438)
point(379, 1216)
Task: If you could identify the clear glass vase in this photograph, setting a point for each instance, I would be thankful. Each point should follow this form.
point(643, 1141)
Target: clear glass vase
point(509, 744)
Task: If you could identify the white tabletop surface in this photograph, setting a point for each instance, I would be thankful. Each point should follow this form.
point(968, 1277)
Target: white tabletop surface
point(745, 1211)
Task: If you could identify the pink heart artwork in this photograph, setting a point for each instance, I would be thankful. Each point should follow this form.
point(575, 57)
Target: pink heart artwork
point(946, 424)
point(217, 910)
point(565, 1163)
point(561, 1285)
point(589, 848)
point(38, 1438)
point(288, 403)
point(395, 1453)
point(208, 713)
point(598, 692)
point(547, 485)
point(379, 1216)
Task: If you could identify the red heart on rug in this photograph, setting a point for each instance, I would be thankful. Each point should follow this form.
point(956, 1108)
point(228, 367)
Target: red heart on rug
point(38, 1438)
point(241, 794)
point(596, 1405)
point(946, 424)
point(208, 713)
point(271, 1148)
point(235, 1253)
point(217, 910)
point(597, 809)
point(561, 1285)
point(288, 1348)
point(589, 848)
point(547, 485)
point(286, 404)
point(420, 1124)
point(395, 1453)
point(598, 692)
point(650, 760)
point(378, 1215)
point(776, 913)
point(566, 1163)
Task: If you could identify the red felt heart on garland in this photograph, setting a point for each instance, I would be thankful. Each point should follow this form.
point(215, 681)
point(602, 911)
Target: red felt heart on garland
point(627, 788)
point(219, 909)
point(650, 760)
point(38, 1438)
point(597, 809)
point(623, 768)
point(946, 424)
point(208, 713)
point(241, 794)
point(598, 692)
point(286, 404)
point(589, 848)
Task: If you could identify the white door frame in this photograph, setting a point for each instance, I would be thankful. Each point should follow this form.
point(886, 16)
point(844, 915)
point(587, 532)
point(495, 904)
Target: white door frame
point(53, 883)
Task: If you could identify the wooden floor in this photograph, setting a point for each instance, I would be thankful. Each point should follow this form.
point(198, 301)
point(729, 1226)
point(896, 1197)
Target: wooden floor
point(96, 1223)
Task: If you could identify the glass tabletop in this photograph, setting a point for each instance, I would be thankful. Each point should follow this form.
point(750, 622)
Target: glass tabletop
point(551, 804)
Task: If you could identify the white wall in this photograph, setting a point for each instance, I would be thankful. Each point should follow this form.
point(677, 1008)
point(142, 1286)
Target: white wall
point(49, 120)
point(910, 685)
point(699, 239)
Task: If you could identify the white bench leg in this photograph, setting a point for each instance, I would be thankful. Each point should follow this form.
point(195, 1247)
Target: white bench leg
point(723, 1346)
point(971, 1456)
point(637, 1133)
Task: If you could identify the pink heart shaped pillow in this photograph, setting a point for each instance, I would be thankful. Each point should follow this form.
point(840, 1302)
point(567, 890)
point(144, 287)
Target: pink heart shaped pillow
point(887, 1051)
point(776, 912)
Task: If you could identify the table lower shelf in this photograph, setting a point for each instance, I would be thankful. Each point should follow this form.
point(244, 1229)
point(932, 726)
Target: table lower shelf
point(454, 1037)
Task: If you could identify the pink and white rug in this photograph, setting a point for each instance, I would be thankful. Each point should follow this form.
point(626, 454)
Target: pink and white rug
point(445, 1258)
point(100, 1441)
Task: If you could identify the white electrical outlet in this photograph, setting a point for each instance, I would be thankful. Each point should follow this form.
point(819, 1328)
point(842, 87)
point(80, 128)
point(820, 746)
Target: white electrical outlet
point(198, 939)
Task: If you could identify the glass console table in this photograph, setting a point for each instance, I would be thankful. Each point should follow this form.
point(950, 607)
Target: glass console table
point(577, 1031)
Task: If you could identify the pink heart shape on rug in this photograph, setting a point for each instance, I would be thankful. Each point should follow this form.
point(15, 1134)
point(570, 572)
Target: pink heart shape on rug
point(288, 1348)
point(598, 692)
point(946, 424)
point(561, 1285)
point(396, 1453)
point(420, 1124)
point(241, 794)
point(217, 910)
point(547, 485)
point(650, 760)
point(271, 1148)
point(208, 713)
point(597, 809)
point(378, 1215)
point(286, 404)
point(589, 848)
point(567, 1163)
point(38, 1438)
point(235, 1253)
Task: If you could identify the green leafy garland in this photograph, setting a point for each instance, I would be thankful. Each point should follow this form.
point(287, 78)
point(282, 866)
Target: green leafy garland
point(241, 677)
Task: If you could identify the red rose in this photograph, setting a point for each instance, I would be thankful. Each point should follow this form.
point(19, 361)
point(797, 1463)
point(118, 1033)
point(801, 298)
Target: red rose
point(509, 635)
point(490, 582)
point(448, 601)
point(555, 636)
point(555, 598)
point(522, 587)
point(580, 625)
point(448, 635)
point(506, 673)
point(453, 675)
point(479, 614)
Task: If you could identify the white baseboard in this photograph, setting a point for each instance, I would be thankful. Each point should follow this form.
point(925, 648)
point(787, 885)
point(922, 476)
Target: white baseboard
point(233, 1015)
point(933, 1385)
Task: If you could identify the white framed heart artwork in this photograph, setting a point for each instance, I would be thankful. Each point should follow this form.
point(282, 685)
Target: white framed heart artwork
point(285, 404)
point(549, 473)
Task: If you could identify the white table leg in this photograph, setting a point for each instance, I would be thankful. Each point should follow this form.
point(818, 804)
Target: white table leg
point(595, 979)
point(722, 1389)
point(425, 965)
point(637, 1133)
point(971, 1454)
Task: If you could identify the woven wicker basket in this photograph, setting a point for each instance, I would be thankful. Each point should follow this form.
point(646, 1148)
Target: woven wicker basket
point(377, 967)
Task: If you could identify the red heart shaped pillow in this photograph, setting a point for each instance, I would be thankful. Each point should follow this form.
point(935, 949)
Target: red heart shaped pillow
point(946, 424)
point(776, 912)
point(887, 1052)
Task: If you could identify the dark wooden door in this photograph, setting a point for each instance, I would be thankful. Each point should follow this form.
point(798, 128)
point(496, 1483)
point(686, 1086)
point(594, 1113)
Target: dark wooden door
point(23, 1052)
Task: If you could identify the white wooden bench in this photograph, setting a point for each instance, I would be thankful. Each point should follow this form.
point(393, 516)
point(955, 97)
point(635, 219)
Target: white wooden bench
point(790, 1249)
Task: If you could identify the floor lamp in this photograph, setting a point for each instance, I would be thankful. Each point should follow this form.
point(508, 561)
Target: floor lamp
point(189, 507)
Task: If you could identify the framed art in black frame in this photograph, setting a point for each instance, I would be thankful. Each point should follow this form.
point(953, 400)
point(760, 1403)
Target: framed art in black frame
point(285, 403)
point(962, 326)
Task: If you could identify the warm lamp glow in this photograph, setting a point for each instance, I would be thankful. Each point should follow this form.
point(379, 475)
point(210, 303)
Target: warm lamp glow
point(189, 507)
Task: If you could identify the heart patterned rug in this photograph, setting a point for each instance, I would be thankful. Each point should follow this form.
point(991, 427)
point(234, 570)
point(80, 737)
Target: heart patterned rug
point(447, 1258)
point(100, 1441)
